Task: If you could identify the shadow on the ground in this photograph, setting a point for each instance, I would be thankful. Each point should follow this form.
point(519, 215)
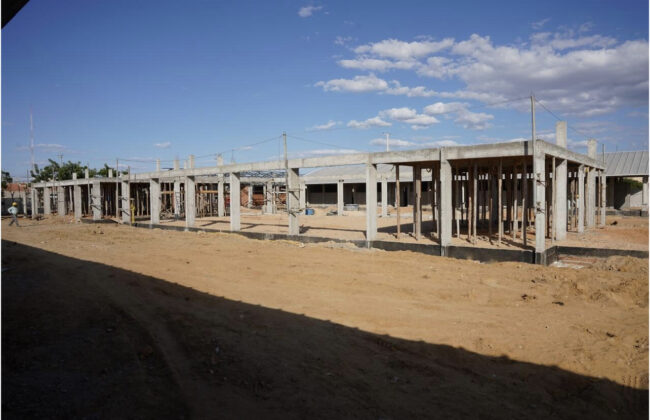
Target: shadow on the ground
point(82, 339)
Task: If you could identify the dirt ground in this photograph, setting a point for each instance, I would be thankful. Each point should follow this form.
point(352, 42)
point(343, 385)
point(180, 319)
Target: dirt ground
point(620, 232)
point(105, 321)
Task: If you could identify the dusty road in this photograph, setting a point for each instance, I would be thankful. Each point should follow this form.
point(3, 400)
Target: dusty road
point(106, 321)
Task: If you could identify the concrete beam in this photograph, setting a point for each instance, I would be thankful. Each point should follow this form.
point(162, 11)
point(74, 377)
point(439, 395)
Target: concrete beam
point(293, 200)
point(371, 202)
point(154, 200)
point(235, 197)
point(190, 201)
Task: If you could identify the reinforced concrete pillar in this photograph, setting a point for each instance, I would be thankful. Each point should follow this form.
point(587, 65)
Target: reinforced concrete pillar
point(47, 200)
point(177, 199)
point(96, 200)
point(591, 198)
point(560, 215)
point(190, 201)
point(76, 192)
point(34, 198)
point(644, 197)
point(221, 199)
point(268, 197)
point(384, 197)
point(293, 200)
point(157, 165)
point(446, 205)
point(540, 206)
point(126, 201)
point(581, 199)
point(303, 197)
point(60, 200)
point(154, 200)
point(235, 197)
point(371, 202)
point(176, 164)
point(603, 194)
point(339, 198)
point(249, 202)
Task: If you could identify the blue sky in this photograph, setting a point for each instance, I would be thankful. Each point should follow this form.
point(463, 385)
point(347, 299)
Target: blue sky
point(145, 80)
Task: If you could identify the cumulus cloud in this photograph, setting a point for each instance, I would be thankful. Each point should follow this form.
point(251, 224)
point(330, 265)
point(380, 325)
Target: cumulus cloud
point(464, 117)
point(307, 11)
point(322, 152)
point(367, 83)
point(572, 71)
point(163, 145)
point(409, 116)
point(369, 123)
point(392, 142)
point(418, 91)
point(323, 127)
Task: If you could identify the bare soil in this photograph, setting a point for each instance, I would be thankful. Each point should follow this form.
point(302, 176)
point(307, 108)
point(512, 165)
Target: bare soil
point(106, 321)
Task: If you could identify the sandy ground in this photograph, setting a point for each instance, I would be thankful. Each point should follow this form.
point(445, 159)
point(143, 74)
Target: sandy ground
point(106, 321)
point(619, 233)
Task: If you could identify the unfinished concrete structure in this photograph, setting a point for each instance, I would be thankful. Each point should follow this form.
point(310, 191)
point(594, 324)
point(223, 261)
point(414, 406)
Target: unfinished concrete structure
point(627, 181)
point(506, 192)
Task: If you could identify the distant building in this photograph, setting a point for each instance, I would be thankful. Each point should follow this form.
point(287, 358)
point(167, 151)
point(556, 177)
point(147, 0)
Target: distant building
point(18, 193)
point(627, 180)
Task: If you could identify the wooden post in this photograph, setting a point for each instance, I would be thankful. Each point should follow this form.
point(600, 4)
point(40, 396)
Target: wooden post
point(397, 198)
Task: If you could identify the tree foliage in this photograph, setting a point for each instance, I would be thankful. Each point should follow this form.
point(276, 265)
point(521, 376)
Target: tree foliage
point(55, 171)
point(6, 179)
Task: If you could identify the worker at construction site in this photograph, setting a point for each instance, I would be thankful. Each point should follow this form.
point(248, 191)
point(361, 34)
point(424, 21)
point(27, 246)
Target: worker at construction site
point(13, 210)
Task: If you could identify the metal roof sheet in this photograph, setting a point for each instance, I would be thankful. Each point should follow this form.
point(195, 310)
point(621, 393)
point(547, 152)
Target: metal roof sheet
point(626, 163)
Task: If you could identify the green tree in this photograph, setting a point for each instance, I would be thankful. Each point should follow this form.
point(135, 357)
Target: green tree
point(6, 179)
point(56, 171)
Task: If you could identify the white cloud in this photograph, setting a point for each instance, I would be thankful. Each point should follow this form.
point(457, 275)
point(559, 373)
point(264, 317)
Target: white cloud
point(440, 108)
point(538, 25)
point(343, 40)
point(572, 72)
point(409, 116)
point(367, 83)
point(393, 48)
point(163, 145)
point(473, 120)
point(411, 92)
point(370, 122)
point(307, 11)
point(327, 126)
point(322, 152)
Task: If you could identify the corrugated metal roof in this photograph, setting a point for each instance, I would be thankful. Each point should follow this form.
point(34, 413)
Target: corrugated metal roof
point(626, 163)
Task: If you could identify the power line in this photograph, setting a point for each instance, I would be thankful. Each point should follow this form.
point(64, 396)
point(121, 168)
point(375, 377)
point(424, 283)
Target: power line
point(586, 136)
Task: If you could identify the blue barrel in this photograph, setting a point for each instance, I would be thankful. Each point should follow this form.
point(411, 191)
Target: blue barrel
point(309, 212)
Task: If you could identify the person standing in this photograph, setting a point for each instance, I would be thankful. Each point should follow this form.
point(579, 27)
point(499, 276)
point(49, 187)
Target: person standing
point(13, 210)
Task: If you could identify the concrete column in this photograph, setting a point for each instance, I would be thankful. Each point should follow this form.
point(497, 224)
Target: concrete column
point(34, 198)
point(417, 201)
point(157, 165)
point(603, 194)
point(154, 200)
point(221, 199)
point(191, 161)
point(250, 196)
point(86, 173)
point(293, 200)
point(23, 199)
point(110, 173)
point(644, 197)
point(76, 192)
point(126, 201)
point(581, 199)
point(384, 197)
point(190, 201)
point(591, 198)
point(371, 202)
point(540, 206)
point(96, 200)
point(235, 197)
point(61, 207)
point(339, 198)
point(268, 197)
point(47, 200)
point(560, 133)
point(177, 166)
point(592, 147)
point(177, 198)
point(446, 205)
point(560, 215)
point(303, 197)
